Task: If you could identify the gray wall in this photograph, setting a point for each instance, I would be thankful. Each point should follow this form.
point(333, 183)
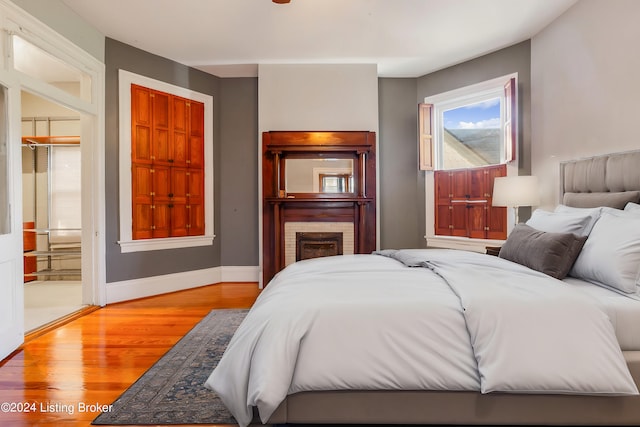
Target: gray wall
point(238, 195)
point(127, 266)
point(584, 69)
point(401, 194)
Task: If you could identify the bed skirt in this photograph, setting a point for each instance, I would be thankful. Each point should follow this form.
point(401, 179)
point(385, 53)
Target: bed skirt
point(472, 408)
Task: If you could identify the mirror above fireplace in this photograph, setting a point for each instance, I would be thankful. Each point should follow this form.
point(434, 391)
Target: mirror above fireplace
point(318, 175)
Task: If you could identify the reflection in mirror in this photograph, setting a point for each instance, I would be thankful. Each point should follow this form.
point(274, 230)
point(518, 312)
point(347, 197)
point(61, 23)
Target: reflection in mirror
point(319, 175)
point(339, 183)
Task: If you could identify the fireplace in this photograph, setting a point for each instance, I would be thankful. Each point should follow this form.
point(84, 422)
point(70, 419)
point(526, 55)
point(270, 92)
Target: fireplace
point(318, 234)
point(316, 245)
point(301, 216)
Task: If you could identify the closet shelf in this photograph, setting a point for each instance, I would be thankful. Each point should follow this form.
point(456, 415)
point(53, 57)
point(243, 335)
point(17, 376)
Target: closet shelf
point(69, 272)
point(52, 253)
point(46, 230)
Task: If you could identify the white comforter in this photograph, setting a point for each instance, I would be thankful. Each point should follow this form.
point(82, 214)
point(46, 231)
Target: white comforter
point(459, 321)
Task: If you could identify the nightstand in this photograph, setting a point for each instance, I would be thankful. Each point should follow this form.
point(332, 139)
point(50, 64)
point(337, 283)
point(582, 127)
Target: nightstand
point(493, 250)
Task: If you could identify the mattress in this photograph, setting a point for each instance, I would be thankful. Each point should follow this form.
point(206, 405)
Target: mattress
point(624, 312)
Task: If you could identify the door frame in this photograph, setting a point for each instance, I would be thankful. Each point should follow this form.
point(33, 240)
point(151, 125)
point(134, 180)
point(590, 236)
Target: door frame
point(14, 20)
point(11, 243)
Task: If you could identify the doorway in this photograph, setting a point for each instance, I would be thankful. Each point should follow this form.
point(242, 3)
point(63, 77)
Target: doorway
point(51, 211)
point(39, 61)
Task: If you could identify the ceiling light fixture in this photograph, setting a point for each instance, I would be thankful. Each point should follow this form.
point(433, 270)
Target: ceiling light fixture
point(281, 1)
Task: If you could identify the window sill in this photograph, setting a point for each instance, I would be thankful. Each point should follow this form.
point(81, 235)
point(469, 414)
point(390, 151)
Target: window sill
point(462, 243)
point(168, 243)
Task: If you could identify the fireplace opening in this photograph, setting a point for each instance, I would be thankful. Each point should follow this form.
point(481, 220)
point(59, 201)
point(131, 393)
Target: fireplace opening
point(317, 244)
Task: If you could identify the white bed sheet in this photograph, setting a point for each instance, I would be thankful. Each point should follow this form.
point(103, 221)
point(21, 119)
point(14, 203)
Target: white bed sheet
point(623, 312)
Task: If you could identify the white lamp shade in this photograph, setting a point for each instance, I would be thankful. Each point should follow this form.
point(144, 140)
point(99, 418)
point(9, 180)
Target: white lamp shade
point(514, 191)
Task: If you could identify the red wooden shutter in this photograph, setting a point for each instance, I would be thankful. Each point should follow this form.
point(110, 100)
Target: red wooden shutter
point(167, 165)
point(161, 201)
point(463, 203)
point(180, 131)
point(196, 169)
point(141, 162)
point(161, 149)
point(140, 124)
point(459, 193)
point(442, 184)
point(496, 216)
point(476, 203)
point(142, 201)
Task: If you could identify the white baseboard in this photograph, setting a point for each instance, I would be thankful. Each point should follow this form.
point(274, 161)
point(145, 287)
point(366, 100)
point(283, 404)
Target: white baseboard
point(149, 286)
point(239, 274)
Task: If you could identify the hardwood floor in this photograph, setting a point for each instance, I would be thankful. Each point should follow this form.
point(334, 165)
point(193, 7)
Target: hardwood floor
point(93, 359)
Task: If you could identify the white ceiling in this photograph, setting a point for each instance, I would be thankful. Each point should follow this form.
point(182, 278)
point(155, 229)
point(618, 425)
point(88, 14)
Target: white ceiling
point(405, 38)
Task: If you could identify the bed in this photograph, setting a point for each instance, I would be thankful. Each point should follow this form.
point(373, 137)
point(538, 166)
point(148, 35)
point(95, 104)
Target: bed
point(322, 345)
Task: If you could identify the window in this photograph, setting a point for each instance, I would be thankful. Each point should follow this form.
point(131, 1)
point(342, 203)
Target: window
point(469, 127)
point(37, 63)
point(338, 183)
point(468, 137)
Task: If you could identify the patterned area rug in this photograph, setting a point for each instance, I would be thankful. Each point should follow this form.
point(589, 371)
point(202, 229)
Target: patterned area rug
point(172, 391)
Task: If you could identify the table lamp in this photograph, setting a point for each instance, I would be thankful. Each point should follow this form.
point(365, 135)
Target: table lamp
point(516, 191)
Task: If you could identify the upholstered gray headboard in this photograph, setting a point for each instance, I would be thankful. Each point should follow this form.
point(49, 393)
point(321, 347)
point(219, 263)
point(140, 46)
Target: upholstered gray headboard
point(607, 180)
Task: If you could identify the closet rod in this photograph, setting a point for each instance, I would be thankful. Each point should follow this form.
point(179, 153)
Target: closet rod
point(51, 140)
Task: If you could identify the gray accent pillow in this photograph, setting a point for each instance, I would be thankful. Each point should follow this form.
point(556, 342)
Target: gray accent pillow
point(550, 253)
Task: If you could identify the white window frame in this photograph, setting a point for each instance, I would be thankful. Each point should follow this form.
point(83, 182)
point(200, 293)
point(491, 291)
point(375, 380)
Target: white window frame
point(126, 242)
point(445, 101)
point(467, 95)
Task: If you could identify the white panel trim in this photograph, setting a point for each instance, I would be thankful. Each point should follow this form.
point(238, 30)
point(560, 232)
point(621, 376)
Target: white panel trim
point(126, 242)
point(168, 243)
point(149, 286)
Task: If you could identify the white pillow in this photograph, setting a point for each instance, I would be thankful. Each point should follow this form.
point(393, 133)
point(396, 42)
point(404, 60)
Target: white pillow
point(585, 211)
point(611, 254)
point(579, 223)
point(632, 208)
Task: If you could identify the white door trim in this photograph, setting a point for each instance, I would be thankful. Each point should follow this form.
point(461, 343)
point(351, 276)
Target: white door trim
point(11, 267)
point(92, 111)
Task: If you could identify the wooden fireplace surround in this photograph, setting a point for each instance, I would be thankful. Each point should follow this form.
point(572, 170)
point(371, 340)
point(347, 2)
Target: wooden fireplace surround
point(278, 207)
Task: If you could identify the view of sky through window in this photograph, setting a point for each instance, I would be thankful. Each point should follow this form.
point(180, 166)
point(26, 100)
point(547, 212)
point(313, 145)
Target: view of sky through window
point(472, 136)
point(481, 115)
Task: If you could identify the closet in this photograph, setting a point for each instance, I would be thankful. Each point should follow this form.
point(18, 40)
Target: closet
point(51, 198)
point(51, 212)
